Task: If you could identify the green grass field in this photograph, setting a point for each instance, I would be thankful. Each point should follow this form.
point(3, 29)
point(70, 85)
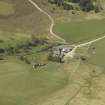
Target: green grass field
point(78, 32)
point(94, 54)
point(21, 85)
point(98, 55)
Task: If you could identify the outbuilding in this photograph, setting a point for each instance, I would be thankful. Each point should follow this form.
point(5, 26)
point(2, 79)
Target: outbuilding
point(58, 53)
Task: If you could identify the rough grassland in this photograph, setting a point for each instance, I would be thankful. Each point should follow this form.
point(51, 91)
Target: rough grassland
point(26, 20)
point(6, 8)
point(98, 55)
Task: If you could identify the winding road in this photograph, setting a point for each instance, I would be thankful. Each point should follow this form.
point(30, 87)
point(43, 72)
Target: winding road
point(71, 54)
point(50, 18)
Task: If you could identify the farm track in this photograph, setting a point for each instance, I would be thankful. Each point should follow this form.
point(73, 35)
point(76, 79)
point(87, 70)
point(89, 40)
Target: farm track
point(71, 54)
point(50, 18)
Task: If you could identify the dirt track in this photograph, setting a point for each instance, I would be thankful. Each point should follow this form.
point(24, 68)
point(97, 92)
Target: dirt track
point(50, 18)
point(71, 54)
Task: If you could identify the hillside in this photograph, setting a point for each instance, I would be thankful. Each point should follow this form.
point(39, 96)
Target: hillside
point(52, 52)
point(19, 20)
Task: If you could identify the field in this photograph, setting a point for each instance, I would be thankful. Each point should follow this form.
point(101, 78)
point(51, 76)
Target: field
point(21, 85)
point(78, 81)
point(78, 32)
point(95, 53)
point(99, 56)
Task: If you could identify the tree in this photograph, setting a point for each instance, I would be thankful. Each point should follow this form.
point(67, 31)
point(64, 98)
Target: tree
point(67, 6)
point(58, 2)
point(86, 5)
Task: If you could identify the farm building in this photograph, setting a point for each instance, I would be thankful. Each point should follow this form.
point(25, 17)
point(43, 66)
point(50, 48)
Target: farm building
point(58, 53)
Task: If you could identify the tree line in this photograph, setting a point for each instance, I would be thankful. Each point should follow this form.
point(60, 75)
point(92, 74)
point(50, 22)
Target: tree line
point(85, 5)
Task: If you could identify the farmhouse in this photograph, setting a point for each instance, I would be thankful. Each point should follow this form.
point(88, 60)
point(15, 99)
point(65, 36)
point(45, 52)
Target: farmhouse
point(58, 53)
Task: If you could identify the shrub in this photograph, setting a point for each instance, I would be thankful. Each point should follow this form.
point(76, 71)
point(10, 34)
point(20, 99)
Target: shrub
point(67, 7)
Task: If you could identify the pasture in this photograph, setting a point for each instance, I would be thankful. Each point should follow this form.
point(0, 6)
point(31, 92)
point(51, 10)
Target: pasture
point(21, 85)
point(97, 55)
point(78, 32)
point(94, 54)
